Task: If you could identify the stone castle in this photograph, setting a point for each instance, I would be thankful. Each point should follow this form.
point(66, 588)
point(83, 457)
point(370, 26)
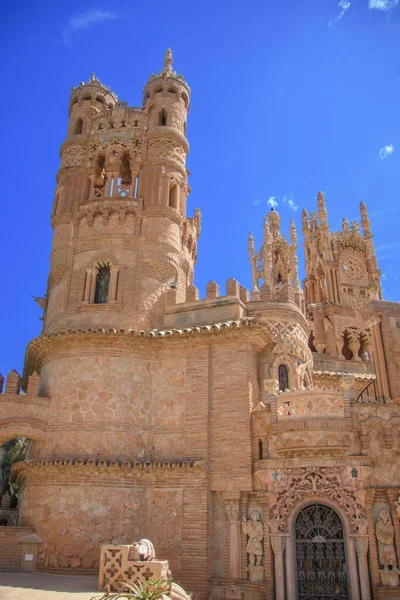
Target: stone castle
point(254, 437)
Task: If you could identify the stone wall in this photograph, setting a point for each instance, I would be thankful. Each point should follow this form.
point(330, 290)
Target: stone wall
point(77, 508)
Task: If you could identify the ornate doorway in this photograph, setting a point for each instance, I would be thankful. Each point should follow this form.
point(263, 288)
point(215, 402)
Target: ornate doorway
point(320, 554)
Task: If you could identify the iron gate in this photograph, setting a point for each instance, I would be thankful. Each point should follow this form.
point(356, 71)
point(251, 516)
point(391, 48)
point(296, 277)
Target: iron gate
point(320, 554)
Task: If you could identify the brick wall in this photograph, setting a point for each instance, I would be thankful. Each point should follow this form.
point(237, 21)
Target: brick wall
point(10, 548)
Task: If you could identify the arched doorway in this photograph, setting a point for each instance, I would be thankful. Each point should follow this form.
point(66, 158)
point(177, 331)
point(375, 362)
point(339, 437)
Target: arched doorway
point(321, 569)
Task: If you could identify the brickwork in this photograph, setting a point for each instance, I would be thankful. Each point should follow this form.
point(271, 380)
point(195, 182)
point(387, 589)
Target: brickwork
point(199, 422)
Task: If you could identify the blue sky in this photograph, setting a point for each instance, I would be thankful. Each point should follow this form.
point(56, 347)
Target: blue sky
point(288, 98)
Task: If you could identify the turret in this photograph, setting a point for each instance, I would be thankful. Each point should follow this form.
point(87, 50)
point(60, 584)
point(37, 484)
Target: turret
point(166, 98)
point(121, 235)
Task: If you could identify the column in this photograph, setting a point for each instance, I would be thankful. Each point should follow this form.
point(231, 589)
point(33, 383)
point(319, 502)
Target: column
point(88, 283)
point(278, 543)
point(93, 284)
point(361, 547)
point(385, 383)
point(232, 511)
point(379, 360)
point(112, 290)
point(329, 290)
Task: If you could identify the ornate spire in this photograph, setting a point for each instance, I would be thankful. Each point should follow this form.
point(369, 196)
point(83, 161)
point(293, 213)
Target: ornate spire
point(274, 221)
point(322, 212)
point(293, 233)
point(251, 244)
point(345, 225)
point(365, 222)
point(304, 218)
point(168, 61)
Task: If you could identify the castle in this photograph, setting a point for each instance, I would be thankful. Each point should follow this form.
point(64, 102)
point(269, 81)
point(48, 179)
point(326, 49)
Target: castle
point(254, 437)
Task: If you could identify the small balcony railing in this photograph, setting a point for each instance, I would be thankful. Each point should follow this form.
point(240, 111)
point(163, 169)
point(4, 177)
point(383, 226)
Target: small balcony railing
point(370, 395)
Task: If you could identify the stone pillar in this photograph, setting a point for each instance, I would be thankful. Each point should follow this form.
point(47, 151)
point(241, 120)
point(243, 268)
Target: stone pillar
point(232, 511)
point(361, 547)
point(278, 543)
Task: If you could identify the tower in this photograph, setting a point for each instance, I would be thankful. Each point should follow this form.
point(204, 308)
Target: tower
point(121, 235)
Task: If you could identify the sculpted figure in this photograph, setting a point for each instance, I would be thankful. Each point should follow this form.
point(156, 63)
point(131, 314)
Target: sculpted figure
point(385, 535)
point(253, 528)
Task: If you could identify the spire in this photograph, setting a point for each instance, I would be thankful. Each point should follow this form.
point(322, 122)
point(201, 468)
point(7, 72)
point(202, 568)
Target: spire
point(322, 212)
point(304, 218)
point(168, 61)
point(345, 225)
point(293, 233)
point(365, 222)
point(274, 221)
point(251, 244)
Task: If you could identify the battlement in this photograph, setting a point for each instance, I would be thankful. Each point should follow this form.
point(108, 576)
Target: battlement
point(22, 414)
point(235, 304)
point(13, 387)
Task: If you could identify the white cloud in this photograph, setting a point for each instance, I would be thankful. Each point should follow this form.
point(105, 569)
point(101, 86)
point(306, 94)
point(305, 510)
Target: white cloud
point(272, 201)
point(382, 4)
point(289, 200)
point(386, 151)
point(257, 202)
point(344, 6)
point(87, 20)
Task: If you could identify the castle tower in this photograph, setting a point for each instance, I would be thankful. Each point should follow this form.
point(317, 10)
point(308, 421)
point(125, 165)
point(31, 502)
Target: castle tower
point(121, 235)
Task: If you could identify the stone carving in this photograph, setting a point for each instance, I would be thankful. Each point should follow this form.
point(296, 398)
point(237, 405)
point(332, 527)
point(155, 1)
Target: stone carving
point(324, 482)
point(232, 510)
point(253, 528)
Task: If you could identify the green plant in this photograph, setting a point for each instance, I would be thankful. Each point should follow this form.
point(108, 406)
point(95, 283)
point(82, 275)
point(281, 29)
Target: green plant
point(146, 590)
point(14, 489)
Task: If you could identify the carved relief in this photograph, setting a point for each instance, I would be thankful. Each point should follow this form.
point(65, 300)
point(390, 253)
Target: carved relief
point(299, 483)
point(320, 405)
point(73, 157)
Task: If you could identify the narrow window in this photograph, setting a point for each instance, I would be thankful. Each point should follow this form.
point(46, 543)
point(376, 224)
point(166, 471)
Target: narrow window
point(163, 118)
point(283, 377)
point(173, 199)
point(135, 194)
point(78, 127)
point(184, 128)
point(102, 285)
point(260, 450)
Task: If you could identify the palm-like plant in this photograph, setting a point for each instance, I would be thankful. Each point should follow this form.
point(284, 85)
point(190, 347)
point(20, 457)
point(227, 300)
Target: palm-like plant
point(152, 589)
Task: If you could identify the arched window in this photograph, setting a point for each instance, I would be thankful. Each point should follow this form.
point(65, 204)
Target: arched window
point(173, 198)
point(102, 285)
point(283, 377)
point(163, 118)
point(78, 127)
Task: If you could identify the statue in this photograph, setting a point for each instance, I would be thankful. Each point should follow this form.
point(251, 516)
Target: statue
point(397, 503)
point(253, 528)
point(387, 557)
point(385, 535)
